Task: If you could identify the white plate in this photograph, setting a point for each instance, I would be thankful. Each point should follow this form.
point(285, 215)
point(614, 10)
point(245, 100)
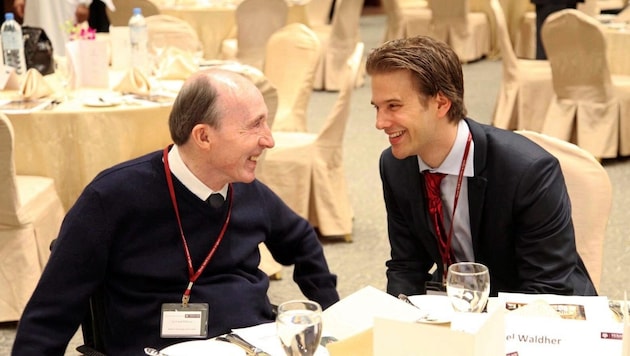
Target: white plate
point(101, 102)
point(438, 308)
point(204, 348)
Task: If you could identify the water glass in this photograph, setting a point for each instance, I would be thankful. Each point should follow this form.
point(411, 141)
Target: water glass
point(468, 286)
point(299, 325)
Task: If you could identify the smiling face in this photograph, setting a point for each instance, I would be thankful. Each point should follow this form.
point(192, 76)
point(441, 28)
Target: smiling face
point(415, 124)
point(227, 116)
point(242, 134)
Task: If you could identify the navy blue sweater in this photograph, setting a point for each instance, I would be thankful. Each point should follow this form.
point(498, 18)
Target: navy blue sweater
point(122, 234)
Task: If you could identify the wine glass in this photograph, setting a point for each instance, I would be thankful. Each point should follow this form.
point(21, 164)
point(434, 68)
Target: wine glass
point(468, 286)
point(299, 325)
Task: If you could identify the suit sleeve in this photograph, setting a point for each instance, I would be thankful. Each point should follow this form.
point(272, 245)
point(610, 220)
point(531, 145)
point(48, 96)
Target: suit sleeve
point(545, 240)
point(407, 270)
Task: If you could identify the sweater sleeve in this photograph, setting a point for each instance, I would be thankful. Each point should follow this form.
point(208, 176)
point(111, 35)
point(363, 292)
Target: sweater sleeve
point(74, 270)
point(293, 241)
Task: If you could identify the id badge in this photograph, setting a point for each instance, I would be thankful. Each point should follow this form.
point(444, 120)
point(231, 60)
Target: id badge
point(435, 288)
point(184, 322)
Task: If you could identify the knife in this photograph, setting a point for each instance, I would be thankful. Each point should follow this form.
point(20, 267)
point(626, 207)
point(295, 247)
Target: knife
point(235, 339)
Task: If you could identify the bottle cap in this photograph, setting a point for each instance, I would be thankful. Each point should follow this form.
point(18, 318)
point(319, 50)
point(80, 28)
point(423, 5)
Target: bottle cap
point(9, 16)
point(137, 11)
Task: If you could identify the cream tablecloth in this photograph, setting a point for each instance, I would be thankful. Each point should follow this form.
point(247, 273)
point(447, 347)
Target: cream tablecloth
point(73, 143)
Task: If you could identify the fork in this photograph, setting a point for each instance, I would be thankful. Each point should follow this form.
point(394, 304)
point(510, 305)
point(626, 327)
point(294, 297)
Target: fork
point(235, 339)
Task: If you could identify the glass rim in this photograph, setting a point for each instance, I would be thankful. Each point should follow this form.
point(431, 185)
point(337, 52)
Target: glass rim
point(298, 301)
point(483, 267)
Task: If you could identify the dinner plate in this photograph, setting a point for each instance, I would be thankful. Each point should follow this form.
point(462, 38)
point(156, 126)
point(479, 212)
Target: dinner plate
point(203, 348)
point(436, 309)
point(101, 102)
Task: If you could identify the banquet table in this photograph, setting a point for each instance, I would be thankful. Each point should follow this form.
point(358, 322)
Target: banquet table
point(216, 21)
point(212, 23)
point(72, 143)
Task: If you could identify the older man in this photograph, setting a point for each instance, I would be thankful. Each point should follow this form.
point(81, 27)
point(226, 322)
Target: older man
point(177, 230)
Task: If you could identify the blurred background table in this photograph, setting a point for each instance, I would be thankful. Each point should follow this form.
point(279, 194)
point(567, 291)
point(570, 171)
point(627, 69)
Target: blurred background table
point(72, 143)
point(215, 21)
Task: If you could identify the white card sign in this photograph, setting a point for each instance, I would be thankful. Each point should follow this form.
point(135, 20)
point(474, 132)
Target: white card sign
point(88, 62)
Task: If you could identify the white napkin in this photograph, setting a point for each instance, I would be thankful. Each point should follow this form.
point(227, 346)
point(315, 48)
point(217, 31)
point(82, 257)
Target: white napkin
point(134, 82)
point(34, 85)
point(176, 64)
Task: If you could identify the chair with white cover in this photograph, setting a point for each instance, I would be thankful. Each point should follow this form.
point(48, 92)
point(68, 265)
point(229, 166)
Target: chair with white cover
point(291, 59)
point(169, 31)
point(590, 192)
point(318, 12)
point(525, 34)
point(452, 21)
point(306, 169)
point(124, 10)
point(338, 40)
point(399, 13)
point(256, 21)
point(30, 216)
point(624, 15)
point(585, 109)
point(523, 82)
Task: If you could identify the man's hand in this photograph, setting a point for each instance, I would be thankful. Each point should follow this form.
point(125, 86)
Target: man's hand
point(82, 13)
point(18, 7)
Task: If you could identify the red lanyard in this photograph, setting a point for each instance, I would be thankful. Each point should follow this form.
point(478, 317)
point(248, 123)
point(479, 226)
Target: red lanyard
point(192, 275)
point(445, 253)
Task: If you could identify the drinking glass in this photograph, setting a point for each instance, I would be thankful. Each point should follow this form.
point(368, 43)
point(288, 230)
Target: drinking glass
point(62, 71)
point(468, 286)
point(299, 325)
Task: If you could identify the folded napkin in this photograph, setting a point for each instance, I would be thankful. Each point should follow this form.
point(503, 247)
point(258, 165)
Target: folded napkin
point(34, 85)
point(176, 64)
point(134, 82)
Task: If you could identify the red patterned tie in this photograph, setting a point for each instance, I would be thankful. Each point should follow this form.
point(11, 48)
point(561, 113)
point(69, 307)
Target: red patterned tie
point(433, 181)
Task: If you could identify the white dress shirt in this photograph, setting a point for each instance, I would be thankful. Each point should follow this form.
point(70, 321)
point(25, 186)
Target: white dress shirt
point(461, 243)
point(188, 179)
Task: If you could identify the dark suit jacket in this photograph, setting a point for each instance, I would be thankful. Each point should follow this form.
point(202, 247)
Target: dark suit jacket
point(520, 219)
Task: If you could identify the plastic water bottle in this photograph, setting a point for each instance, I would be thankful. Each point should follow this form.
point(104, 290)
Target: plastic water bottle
point(12, 44)
point(139, 41)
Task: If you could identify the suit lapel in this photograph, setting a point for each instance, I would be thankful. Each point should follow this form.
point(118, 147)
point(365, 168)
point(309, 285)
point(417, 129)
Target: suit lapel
point(477, 184)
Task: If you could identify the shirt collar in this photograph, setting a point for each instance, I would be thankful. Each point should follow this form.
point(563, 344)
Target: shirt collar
point(188, 179)
point(453, 161)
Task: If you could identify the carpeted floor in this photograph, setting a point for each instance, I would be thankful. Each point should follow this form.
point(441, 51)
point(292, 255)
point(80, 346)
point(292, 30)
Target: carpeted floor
point(362, 262)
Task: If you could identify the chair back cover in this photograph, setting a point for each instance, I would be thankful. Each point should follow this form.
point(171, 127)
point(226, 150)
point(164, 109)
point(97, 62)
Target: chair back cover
point(394, 15)
point(580, 68)
point(291, 59)
point(124, 10)
point(332, 210)
point(585, 110)
point(449, 14)
point(169, 31)
point(590, 192)
point(256, 21)
point(9, 200)
point(318, 12)
point(341, 43)
point(505, 113)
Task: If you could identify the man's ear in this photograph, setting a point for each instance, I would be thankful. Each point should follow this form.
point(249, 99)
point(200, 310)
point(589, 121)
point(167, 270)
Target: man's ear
point(201, 135)
point(443, 104)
